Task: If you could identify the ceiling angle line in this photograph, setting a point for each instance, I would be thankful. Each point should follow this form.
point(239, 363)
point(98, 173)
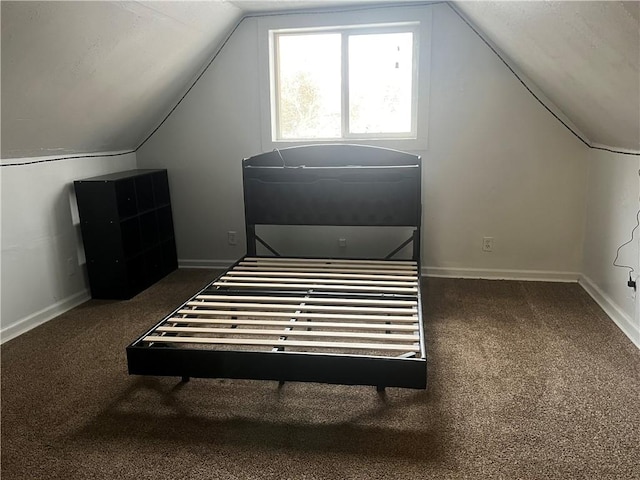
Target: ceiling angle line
point(72, 157)
point(607, 149)
point(484, 40)
point(506, 64)
point(193, 84)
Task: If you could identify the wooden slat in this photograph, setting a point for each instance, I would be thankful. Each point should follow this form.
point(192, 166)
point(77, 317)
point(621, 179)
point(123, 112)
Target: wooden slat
point(319, 268)
point(350, 261)
point(330, 316)
point(276, 323)
point(387, 337)
point(330, 266)
point(316, 286)
point(327, 316)
point(324, 300)
point(311, 308)
point(326, 281)
point(282, 343)
point(347, 276)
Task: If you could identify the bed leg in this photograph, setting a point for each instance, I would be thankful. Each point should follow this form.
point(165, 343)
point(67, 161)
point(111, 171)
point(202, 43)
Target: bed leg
point(185, 379)
point(380, 389)
point(281, 384)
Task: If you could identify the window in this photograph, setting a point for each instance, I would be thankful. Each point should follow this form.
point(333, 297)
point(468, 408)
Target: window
point(344, 83)
point(332, 77)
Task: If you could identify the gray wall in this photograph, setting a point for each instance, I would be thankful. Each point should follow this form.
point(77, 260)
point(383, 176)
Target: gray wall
point(612, 206)
point(43, 271)
point(497, 164)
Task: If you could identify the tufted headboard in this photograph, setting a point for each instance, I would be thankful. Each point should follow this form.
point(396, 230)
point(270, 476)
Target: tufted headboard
point(343, 185)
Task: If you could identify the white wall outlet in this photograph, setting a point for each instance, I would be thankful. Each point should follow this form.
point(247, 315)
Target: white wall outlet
point(342, 242)
point(487, 244)
point(232, 238)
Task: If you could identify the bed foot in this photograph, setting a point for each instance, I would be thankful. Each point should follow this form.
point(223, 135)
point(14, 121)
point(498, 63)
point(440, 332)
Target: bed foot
point(380, 389)
point(281, 384)
point(185, 379)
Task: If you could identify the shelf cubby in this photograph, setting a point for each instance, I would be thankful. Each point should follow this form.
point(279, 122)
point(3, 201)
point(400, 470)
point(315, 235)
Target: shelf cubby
point(127, 231)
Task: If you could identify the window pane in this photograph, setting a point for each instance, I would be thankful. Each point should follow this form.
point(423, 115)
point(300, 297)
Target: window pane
point(309, 86)
point(380, 82)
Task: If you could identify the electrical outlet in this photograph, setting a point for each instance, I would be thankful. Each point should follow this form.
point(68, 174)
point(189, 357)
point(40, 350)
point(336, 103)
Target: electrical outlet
point(342, 242)
point(487, 244)
point(231, 238)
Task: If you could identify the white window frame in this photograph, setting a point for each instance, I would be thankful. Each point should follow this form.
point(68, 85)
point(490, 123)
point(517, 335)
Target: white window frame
point(376, 20)
point(345, 33)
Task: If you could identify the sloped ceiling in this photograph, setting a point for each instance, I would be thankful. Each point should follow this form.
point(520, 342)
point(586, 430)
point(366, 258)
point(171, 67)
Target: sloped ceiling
point(584, 56)
point(83, 77)
point(86, 77)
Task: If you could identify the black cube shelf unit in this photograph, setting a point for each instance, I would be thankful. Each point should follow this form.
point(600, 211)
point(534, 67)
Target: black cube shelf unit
point(127, 231)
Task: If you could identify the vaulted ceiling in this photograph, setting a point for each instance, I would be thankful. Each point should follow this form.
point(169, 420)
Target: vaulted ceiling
point(584, 56)
point(81, 77)
point(87, 77)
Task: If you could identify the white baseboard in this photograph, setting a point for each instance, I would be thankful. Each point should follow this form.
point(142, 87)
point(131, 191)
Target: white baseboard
point(620, 318)
point(190, 263)
point(43, 316)
point(495, 274)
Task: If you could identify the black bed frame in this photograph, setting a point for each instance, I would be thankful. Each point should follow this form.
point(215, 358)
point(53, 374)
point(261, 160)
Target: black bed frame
point(324, 185)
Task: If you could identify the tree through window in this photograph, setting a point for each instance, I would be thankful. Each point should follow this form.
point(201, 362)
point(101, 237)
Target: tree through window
point(345, 83)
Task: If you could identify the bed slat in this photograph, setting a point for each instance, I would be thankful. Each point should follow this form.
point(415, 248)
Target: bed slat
point(282, 343)
point(299, 315)
point(324, 300)
point(364, 266)
point(397, 337)
point(341, 276)
point(320, 268)
point(311, 308)
point(275, 323)
point(333, 261)
point(316, 286)
point(346, 282)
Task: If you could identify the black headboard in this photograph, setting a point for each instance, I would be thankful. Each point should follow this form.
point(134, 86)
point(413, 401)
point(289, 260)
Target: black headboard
point(344, 185)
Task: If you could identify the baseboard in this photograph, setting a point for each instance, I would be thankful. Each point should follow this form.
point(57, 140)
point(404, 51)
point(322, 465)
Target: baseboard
point(43, 316)
point(496, 274)
point(217, 264)
point(621, 319)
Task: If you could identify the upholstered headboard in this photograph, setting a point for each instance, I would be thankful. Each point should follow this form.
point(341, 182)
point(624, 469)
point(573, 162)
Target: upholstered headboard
point(344, 185)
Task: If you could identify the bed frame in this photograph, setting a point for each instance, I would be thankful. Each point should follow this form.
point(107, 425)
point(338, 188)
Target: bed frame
point(329, 320)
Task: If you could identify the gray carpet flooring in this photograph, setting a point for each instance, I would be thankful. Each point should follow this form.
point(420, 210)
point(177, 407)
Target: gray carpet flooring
point(526, 380)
